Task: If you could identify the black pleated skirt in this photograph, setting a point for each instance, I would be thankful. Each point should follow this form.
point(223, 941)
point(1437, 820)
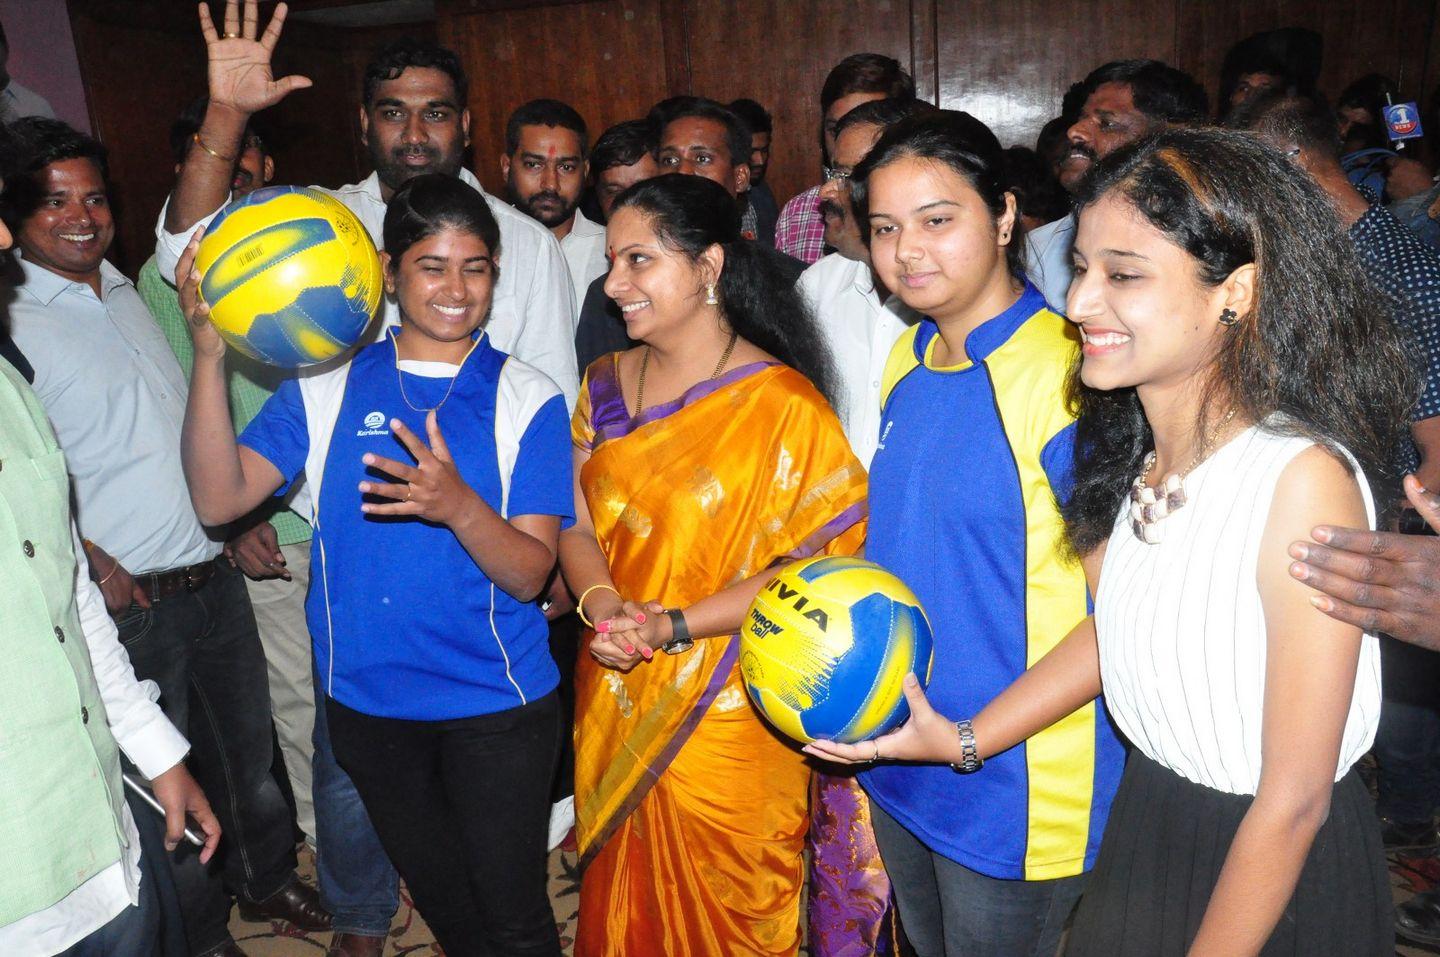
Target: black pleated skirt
point(1165, 843)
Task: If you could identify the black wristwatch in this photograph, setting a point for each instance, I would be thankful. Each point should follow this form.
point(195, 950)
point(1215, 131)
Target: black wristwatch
point(970, 760)
point(680, 640)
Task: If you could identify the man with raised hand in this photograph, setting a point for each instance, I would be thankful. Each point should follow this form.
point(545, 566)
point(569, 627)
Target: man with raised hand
point(413, 120)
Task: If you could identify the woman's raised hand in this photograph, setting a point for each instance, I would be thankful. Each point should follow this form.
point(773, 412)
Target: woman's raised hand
point(431, 489)
point(203, 334)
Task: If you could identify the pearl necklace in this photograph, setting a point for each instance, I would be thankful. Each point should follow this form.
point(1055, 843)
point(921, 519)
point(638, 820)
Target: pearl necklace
point(1150, 506)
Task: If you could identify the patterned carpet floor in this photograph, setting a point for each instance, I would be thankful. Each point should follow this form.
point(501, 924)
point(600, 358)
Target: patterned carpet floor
point(409, 935)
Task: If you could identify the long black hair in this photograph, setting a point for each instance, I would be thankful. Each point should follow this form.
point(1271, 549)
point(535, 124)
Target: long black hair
point(1318, 345)
point(959, 141)
point(756, 290)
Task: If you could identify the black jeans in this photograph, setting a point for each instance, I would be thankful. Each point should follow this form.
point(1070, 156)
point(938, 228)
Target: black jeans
point(462, 808)
point(564, 648)
point(203, 651)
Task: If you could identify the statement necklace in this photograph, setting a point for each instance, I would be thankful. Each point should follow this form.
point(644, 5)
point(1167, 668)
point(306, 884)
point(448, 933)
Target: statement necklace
point(1149, 506)
point(645, 364)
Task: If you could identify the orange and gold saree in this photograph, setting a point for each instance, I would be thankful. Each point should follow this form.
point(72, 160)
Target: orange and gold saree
point(691, 812)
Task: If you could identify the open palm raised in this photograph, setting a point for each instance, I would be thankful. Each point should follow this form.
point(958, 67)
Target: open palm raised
point(239, 64)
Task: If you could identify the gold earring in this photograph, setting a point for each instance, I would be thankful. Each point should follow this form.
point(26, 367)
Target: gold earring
point(1228, 317)
point(710, 297)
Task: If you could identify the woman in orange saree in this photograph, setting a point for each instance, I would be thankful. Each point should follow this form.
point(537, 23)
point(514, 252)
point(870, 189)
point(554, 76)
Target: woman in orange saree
point(691, 812)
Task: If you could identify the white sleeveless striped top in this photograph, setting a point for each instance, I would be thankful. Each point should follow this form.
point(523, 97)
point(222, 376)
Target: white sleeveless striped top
point(1182, 632)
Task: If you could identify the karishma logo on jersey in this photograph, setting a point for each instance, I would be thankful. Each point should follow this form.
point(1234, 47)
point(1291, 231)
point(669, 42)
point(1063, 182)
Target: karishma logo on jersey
point(373, 425)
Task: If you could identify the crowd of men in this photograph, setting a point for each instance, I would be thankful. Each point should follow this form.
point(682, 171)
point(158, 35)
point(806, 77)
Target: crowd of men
point(211, 621)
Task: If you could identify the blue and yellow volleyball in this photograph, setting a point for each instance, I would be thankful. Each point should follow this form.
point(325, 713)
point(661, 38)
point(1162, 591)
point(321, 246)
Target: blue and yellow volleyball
point(826, 646)
point(290, 275)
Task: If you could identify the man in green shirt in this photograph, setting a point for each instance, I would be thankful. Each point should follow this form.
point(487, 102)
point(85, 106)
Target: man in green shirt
point(272, 547)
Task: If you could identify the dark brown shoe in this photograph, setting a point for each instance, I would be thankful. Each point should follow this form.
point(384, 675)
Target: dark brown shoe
point(355, 945)
point(297, 904)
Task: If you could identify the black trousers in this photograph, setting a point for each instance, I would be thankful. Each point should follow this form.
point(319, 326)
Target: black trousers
point(462, 807)
point(203, 651)
point(564, 647)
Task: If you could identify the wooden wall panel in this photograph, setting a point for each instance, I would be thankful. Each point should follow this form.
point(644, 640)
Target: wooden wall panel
point(606, 58)
point(1010, 64)
point(137, 79)
point(779, 54)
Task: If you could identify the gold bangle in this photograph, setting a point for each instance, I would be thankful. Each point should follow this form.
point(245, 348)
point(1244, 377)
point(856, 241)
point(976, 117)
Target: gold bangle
point(113, 569)
point(201, 143)
point(580, 605)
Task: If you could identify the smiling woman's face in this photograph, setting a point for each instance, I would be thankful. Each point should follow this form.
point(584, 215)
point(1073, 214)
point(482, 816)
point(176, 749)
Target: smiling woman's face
point(1146, 318)
point(933, 240)
point(444, 284)
point(656, 287)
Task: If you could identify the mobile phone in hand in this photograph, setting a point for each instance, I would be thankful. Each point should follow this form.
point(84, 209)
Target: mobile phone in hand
point(193, 832)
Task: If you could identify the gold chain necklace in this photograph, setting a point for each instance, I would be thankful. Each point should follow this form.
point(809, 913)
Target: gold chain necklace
point(400, 380)
point(1148, 506)
point(645, 364)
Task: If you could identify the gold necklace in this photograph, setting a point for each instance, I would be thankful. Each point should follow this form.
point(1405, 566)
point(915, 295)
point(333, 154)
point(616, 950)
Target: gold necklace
point(399, 380)
point(1148, 506)
point(645, 364)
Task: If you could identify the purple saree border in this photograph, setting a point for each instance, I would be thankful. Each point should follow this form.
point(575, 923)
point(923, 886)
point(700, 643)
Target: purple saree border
point(828, 532)
point(718, 677)
point(605, 393)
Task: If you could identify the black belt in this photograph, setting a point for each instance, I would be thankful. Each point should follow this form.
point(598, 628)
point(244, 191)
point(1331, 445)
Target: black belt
point(177, 581)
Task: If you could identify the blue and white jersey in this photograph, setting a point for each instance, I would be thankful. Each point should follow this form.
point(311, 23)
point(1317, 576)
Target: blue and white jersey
point(405, 624)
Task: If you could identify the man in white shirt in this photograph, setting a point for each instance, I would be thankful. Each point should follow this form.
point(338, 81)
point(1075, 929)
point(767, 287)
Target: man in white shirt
point(413, 121)
point(545, 166)
point(1123, 102)
point(115, 396)
point(859, 317)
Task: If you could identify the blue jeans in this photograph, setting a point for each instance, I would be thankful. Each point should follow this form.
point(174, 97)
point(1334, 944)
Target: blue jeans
point(203, 651)
point(358, 884)
point(134, 932)
point(948, 910)
point(149, 928)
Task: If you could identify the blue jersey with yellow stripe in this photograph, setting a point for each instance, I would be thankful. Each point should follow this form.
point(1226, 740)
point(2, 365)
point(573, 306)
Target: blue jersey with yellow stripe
point(963, 507)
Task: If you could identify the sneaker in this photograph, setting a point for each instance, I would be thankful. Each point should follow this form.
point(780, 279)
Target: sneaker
point(562, 818)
